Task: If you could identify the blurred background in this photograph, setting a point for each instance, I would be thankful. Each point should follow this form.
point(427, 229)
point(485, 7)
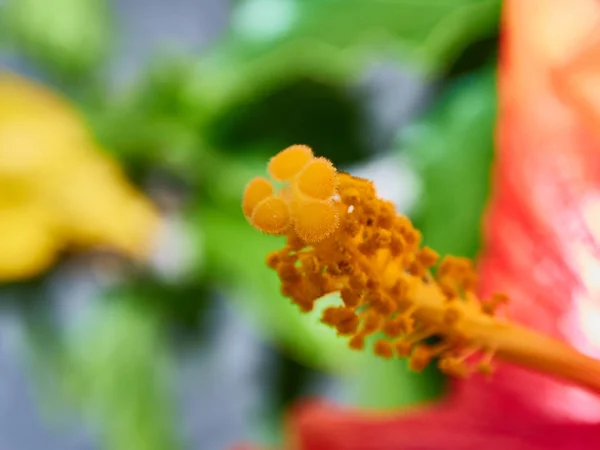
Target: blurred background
point(136, 311)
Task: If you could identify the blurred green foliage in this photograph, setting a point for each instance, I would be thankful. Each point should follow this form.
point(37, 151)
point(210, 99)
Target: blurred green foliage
point(118, 373)
point(257, 94)
point(114, 363)
point(452, 149)
point(430, 32)
point(70, 38)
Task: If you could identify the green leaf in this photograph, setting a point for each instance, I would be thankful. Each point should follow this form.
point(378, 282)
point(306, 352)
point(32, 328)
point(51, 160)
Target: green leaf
point(332, 40)
point(431, 29)
point(452, 148)
point(386, 384)
point(249, 93)
point(70, 37)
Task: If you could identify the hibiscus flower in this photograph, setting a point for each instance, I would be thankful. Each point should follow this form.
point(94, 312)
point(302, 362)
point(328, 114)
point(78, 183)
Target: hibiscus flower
point(542, 251)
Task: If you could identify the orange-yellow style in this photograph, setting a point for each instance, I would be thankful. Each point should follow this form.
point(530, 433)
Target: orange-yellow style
point(341, 237)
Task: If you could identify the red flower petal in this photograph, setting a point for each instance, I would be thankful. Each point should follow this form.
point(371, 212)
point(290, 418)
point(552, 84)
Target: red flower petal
point(543, 240)
point(318, 426)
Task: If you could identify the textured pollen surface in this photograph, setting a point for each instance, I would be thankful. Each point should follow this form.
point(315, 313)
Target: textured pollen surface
point(272, 215)
point(317, 179)
point(257, 190)
point(288, 162)
point(315, 220)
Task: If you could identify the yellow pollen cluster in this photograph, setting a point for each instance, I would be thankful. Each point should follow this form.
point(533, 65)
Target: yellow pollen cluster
point(342, 238)
point(305, 204)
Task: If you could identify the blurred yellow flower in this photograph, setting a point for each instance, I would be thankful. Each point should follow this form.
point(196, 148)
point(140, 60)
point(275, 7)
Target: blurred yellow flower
point(58, 189)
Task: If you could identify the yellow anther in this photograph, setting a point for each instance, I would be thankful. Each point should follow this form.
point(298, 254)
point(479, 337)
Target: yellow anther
point(420, 358)
point(288, 162)
point(288, 273)
point(406, 324)
point(452, 314)
point(383, 348)
point(485, 366)
point(453, 366)
point(350, 196)
point(357, 342)
point(403, 348)
point(272, 216)
point(393, 328)
point(351, 228)
point(427, 257)
point(397, 245)
point(273, 259)
point(371, 323)
point(381, 304)
point(317, 179)
point(257, 190)
point(309, 263)
point(350, 297)
point(399, 288)
point(358, 281)
point(341, 318)
point(492, 305)
point(382, 238)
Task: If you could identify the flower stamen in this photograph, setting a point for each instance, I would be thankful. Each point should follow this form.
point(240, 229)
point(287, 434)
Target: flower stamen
point(342, 238)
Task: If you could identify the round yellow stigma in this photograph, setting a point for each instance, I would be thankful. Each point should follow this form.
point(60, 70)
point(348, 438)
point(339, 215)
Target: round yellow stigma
point(317, 179)
point(288, 162)
point(272, 216)
point(305, 204)
point(256, 190)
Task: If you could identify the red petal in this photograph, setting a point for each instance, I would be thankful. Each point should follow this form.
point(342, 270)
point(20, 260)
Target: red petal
point(543, 227)
point(319, 426)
